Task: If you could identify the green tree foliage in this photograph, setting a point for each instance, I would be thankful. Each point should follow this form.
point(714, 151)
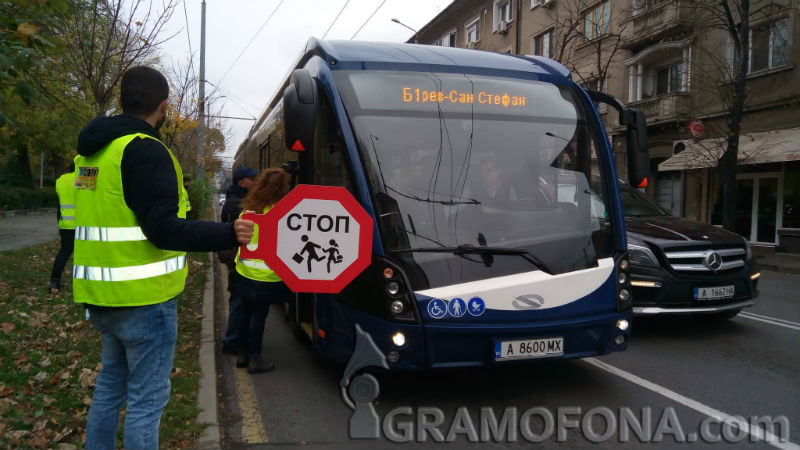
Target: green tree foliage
point(23, 24)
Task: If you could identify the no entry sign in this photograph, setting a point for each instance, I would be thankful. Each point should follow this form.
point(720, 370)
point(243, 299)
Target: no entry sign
point(317, 239)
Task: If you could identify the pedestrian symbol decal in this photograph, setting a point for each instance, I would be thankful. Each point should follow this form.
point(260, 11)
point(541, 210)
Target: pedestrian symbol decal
point(437, 308)
point(310, 249)
point(476, 306)
point(456, 307)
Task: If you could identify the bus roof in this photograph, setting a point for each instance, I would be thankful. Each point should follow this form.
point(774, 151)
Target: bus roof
point(399, 53)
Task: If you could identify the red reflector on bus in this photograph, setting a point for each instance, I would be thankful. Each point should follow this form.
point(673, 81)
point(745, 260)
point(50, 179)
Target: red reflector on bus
point(298, 146)
point(643, 184)
point(321, 333)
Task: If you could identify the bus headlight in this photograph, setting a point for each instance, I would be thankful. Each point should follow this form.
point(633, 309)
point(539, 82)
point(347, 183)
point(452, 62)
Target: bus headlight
point(399, 339)
point(623, 324)
point(393, 288)
point(398, 307)
point(624, 295)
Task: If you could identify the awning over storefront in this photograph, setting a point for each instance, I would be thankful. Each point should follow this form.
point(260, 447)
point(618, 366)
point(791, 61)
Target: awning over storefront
point(754, 148)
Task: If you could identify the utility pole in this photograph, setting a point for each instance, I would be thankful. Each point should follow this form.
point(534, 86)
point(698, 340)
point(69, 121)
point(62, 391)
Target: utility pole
point(201, 104)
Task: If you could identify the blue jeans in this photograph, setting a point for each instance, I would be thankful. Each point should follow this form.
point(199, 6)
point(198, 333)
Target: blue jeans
point(138, 349)
point(235, 318)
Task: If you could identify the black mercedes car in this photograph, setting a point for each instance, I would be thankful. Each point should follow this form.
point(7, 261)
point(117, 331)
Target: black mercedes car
point(679, 266)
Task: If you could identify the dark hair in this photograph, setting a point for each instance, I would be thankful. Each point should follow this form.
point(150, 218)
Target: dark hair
point(142, 89)
point(271, 186)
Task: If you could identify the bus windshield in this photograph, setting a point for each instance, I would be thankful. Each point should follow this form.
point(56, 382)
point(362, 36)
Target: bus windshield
point(458, 161)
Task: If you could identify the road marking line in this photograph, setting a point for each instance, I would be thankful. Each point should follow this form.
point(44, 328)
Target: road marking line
point(770, 318)
point(253, 431)
point(771, 321)
point(756, 432)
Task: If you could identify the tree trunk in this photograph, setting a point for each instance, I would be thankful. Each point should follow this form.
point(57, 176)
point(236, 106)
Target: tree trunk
point(729, 163)
point(24, 161)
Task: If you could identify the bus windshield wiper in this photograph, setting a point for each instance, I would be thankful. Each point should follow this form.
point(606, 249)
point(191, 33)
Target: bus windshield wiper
point(469, 249)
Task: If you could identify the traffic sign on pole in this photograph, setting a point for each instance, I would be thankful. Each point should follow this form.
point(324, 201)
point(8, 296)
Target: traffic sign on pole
point(316, 239)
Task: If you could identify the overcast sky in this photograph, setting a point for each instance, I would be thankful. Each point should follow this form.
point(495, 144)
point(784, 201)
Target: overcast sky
point(252, 81)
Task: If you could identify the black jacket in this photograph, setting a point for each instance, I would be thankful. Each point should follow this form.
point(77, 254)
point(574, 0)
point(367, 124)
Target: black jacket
point(150, 189)
point(233, 197)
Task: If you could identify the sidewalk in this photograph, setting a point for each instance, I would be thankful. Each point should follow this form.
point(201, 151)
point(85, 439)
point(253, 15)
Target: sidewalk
point(779, 262)
point(23, 230)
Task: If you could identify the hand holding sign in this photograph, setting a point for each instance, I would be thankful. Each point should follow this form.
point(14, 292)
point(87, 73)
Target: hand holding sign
point(244, 228)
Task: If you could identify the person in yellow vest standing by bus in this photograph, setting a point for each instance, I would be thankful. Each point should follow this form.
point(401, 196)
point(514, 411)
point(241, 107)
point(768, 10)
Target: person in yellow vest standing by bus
point(130, 238)
point(65, 190)
point(253, 284)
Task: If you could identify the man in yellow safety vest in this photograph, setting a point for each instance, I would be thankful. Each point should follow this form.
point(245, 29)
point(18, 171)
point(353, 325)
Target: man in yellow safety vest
point(65, 190)
point(131, 233)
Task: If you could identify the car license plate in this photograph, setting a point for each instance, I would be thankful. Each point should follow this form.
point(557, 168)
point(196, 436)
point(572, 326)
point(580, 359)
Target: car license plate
point(712, 293)
point(528, 348)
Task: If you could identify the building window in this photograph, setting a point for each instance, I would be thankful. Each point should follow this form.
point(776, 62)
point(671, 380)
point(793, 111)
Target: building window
point(769, 45)
point(541, 44)
point(473, 31)
point(595, 21)
point(502, 13)
point(448, 40)
point(668, 79)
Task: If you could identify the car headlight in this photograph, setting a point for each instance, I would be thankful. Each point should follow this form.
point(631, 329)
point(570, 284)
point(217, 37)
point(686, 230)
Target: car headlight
point(641, 256)
point(748, 250)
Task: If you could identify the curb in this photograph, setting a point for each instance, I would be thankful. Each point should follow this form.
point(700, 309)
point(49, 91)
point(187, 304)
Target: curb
point(207, 388)
point(27, 212)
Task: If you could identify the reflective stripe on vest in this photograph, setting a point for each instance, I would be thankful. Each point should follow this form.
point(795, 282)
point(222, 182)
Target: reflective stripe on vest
point(255, 264)
point(109, 234)
point(66, 200)
point(255, 269)
point(129, 273)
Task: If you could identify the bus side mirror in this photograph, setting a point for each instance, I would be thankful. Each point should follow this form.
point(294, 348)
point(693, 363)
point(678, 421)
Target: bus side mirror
point(300, 111)
point(638, 155)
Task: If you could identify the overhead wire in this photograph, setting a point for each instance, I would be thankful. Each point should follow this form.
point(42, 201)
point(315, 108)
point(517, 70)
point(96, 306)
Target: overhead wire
point(368, 19)
point(335, 19)
point(250, 42)
point(188, 35)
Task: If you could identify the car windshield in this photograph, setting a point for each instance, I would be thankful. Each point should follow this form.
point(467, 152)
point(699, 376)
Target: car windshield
point(455, 159)
point(637, 204)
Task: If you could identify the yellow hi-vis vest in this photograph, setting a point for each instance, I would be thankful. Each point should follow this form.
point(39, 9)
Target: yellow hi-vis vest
point(65, 188)
point(255, 269)
point(114, 263)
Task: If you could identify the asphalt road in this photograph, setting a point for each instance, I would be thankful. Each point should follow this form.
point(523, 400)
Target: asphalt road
point(679, 371)
point(22, 231)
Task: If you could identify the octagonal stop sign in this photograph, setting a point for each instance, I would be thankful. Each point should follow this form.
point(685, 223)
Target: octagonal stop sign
point(316, 239)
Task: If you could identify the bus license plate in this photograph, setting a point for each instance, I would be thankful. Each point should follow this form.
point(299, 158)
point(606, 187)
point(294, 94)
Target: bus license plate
point(528, 348)
point(712, 293)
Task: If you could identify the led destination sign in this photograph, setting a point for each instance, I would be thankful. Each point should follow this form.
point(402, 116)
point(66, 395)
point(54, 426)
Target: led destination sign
point(454, 96)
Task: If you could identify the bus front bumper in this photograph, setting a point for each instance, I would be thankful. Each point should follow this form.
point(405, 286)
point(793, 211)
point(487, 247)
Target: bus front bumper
point(440, 345)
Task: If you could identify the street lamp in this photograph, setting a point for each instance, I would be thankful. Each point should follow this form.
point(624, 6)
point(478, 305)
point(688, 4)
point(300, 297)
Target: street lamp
point(401, 23)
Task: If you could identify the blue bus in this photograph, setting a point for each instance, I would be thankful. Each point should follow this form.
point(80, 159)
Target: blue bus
point(498, 227)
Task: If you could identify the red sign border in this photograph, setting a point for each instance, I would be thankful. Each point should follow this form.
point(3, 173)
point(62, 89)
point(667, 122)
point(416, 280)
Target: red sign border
point(696, 135)
point(309, 191)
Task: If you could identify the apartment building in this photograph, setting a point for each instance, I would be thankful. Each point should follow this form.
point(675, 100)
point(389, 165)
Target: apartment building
point(670, 59)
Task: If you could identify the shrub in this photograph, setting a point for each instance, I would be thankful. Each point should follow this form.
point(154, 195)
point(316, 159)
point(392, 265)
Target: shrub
point(15, 198)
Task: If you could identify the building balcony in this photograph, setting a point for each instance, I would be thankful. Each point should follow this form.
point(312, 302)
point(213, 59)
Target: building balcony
point(666, 107)
point(656, 21)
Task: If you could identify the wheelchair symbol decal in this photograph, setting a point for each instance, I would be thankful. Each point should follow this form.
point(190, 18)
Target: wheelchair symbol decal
point(437, 308)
